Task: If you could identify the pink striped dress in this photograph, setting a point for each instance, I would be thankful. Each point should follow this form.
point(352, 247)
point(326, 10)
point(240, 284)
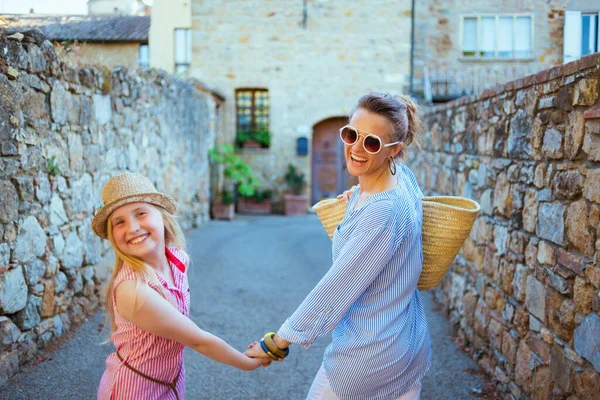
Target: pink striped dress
point(152, 355)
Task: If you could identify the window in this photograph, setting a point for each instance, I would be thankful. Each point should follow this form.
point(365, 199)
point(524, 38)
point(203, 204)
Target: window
point(502, 36)
point(252, 111)
point(183, 50)
point(144, 56)
point(580, 34)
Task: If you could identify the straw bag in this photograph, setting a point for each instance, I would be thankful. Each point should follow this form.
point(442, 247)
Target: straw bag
point(447, 221)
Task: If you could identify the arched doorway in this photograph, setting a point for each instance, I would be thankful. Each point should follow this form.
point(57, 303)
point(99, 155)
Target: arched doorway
point(329, 174)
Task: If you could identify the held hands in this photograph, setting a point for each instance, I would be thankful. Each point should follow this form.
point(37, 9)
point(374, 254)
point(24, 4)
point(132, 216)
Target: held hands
point(256, 353)
point(267, 350)
point(345, 197)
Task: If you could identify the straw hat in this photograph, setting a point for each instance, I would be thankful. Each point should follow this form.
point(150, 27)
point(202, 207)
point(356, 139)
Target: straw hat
point(128, 188)
point(447, 221)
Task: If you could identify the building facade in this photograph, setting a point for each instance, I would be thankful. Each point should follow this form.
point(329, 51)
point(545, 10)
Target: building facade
point(295, 69)
point(170, 36)
point(461, 47)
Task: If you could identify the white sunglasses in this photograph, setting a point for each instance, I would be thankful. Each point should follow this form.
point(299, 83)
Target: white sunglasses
point(371, 142)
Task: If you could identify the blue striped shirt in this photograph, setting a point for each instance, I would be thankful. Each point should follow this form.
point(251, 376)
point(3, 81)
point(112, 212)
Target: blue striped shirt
point(369, 298)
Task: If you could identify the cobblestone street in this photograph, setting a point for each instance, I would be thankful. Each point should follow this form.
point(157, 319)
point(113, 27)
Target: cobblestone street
point(246, 277)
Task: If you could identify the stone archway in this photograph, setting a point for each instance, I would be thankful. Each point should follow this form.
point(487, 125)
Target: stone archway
point(329, 174)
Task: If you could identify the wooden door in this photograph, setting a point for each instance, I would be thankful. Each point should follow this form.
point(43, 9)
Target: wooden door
point(329, 174)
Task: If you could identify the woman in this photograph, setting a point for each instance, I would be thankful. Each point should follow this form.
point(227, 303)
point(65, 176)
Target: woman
point(380, 345)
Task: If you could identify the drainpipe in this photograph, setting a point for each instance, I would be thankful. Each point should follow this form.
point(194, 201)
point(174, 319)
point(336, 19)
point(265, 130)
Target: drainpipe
point(412, 46)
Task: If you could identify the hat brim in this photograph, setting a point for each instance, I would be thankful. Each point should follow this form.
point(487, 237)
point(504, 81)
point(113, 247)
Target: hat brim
point(158, 199)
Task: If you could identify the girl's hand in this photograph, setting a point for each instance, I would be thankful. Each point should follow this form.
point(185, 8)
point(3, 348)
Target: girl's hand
point(345, 197)
point(256, 353)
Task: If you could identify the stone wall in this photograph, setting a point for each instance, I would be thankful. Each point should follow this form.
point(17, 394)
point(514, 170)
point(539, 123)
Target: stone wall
point(63, 133)
point(524, 291)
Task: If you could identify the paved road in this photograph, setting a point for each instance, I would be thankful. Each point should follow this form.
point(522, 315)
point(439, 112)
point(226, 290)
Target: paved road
point(246, 277)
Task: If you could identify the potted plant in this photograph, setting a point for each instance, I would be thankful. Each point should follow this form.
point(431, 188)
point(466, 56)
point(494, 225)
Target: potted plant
point(222, 206)
point(258, 203)
point(236, 173)
point(259, 138)
point(295, 202)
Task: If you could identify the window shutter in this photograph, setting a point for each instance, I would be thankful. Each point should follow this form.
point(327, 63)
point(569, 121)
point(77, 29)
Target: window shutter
point(572, 37)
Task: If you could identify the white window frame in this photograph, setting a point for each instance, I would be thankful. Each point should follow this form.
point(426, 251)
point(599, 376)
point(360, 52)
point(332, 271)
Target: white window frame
point(182, 61)
point(573, 39)
point(497, 16)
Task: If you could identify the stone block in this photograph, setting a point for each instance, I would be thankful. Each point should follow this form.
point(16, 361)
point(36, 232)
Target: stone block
point(561, 316)
point(73, 254)
point(523, 367)
point(518, 144)
point(552, 145)
point(34, 271)
point(31, 241)
point(9, 202)
point(578, 232)
point(587, 384)
point(29, 317)
point(495, 334)
point(13, 291)
point(591, 188)
point(542, 383)
point(583, 295)
point(9, 333)
point(503, 196)
point(487, 207)
point(520, 282)
point(509, 347)
point(500, 238)
point(541, 177)
point(568, 184)
point(47, 307)
point(586, 340)
point(58, 216)
point(546, 253)
point(536, 298)
point(102, 109)
point(9, 363)
point(586, 92)
point(591, 146)
point(592, 272)
point(550, 224)
point(561, 369)
point(35, 106)
point(59, 102)
point(547, 102)
point(530, 210)
point(540, 348)
point(568, 260)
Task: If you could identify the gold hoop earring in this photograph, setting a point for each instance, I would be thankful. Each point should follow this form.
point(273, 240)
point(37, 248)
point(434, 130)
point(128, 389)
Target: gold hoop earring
point(392, 165)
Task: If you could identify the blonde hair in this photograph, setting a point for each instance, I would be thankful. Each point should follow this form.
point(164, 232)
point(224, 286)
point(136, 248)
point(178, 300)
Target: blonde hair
point(173, 238)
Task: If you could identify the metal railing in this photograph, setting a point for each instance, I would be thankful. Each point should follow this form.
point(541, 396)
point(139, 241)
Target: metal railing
point(446, 83)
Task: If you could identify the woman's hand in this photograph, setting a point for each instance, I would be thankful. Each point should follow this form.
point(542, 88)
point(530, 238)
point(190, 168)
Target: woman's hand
point(256, 352)
point(345, 197)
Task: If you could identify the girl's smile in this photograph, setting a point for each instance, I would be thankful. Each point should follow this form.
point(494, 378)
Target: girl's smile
point(139, 239)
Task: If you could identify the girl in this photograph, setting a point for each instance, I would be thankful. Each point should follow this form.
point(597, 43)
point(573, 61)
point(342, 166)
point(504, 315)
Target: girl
point(380, 345)
point(148, 296)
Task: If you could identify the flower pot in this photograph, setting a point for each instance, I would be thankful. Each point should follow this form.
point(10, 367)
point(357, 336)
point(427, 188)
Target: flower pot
point(251, 144)
point(250, 206)
point(222, 211)
point(295, 204)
